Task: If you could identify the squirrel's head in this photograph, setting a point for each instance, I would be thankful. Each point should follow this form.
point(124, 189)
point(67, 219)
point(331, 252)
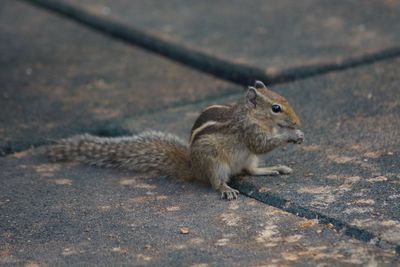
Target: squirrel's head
point(267, 106)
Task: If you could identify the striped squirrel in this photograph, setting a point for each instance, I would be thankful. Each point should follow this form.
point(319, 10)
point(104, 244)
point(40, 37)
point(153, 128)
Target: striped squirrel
point(225, 141)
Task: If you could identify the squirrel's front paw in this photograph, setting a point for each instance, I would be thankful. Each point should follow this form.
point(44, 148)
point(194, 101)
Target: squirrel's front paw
point(298, 137)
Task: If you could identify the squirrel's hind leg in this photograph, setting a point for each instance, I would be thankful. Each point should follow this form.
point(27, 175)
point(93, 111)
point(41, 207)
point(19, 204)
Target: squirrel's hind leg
point(273, 170)
point(253, 169)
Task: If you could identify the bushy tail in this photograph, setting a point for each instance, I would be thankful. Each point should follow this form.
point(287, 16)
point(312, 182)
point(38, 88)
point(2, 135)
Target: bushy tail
point(149, 152)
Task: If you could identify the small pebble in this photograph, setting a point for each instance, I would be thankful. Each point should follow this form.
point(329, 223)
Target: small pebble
point(184, 230)
point(308, 174)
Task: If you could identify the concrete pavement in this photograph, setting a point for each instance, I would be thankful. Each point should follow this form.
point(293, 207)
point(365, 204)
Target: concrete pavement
point(58, 78)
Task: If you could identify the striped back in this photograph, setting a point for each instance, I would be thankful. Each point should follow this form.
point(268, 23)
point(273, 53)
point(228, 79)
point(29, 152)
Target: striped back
point(212, 120)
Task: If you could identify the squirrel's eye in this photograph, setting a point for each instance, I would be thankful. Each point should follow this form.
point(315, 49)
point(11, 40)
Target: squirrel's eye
point(276, 108)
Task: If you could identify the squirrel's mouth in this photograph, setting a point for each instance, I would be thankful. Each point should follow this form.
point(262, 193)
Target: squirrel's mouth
point(287, 125)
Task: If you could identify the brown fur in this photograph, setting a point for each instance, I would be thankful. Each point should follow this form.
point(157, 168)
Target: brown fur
point(150, 152)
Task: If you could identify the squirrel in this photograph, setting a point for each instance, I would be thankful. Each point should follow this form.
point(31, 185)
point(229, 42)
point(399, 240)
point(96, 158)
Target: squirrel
point(224, 141)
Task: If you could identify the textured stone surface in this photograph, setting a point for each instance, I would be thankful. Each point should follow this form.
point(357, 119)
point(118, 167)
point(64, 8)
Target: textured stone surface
point(270, 35)
point(67, 214)
point(58, 78)
point(348, 167)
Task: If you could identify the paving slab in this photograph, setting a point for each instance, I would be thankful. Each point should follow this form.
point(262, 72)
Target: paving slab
point(68, 214)
point(347, 173)
point(58, 78)
point(270, 35)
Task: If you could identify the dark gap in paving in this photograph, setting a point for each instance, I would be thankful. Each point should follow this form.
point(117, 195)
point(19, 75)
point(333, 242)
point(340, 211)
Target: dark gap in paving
point(237, 73)
point(276, 201)
point(55, 83)
point(91, 215)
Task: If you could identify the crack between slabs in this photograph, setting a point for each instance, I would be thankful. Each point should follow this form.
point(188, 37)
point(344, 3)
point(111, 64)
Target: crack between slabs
point(345, 228)
point(236, 73)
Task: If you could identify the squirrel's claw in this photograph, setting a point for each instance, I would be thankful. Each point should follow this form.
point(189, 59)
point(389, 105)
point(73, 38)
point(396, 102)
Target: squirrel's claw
point(229, 193)
point(299, 137)
point(282, 169)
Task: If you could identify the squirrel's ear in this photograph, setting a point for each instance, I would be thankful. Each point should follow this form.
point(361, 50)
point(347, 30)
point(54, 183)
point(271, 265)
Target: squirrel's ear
point(259, 85)
point(251, 97)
